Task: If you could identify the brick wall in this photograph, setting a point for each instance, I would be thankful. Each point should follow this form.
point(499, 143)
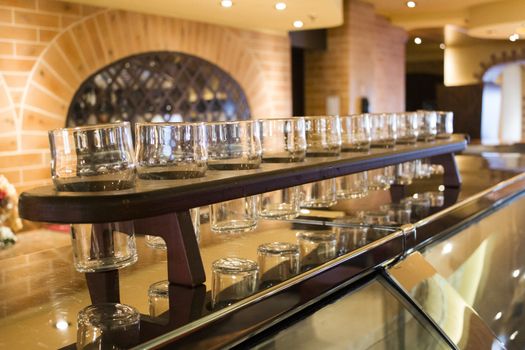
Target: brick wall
point(364, 57)
point(48, 48)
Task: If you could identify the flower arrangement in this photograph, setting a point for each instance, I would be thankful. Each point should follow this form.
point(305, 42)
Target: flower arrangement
point(9, 220)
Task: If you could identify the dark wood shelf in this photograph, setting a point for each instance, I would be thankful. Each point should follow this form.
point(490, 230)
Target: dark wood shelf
point(158, 197)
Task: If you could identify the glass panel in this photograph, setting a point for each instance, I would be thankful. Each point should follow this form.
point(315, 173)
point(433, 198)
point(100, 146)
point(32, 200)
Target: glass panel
point(443, 304)
point(484, 264)
point(371, 317)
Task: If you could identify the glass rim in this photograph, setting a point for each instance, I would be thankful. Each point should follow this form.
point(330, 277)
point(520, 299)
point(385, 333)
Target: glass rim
point(122, 312)
point(92, 127)
point(281, 119)
point(317, 236)
point(278, 248)
point(232, 122)
point(311, 117)
point(233, 265)
point(142, 124)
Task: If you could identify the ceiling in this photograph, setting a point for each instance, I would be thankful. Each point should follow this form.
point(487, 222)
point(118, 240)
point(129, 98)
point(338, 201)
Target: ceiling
point(488, 19)
point(259, 15)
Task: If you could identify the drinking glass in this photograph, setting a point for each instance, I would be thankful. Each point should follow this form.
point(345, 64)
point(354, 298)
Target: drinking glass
point(352, 186)
point(422, 168)
point(400, 213)
point(320, 194)
point(374, 217)
point(92, 158)
point(236, 215)
point(158, 298)
point(404, 173)
point(234, 145)
point(351, 233)
point(445, 124)
point(355, 133)
point(407, 128)
point(389, 172)
point(167, 151)
point(233, 279)
point(108, 326)
point(283, 140)
point(377, 180)
point(323, 136)
point(427, 124)
point(278, 261)
point(437, 199)
point(280, 204)
point(383, 129)
point(157, 242)
point(316, 248)
point(102, 247)
point(420, 206)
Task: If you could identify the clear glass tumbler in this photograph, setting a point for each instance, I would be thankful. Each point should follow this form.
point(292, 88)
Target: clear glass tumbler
point(420, 206)
point(374, 217)
point(234, 216)
point(407, 128)
point(92, 158)
point(167, 151)
point(108, 326)
point(278, 261)
point(320, 194)
point(283, 140)
point(445, 124)
point(351, 233)
point(399, 213)
point(158, 298)
point(323, 136)
point(383, 129)
point(234, 145)
point(404, 173)
point(352, 186)
point(316, 248)
point(233, 279)
point(437, 198)
point(355, 133)
point(280, 204)
point(158, 243)
point(102, 247)
point(422, 168)
point(377, 180)
point(427, 123)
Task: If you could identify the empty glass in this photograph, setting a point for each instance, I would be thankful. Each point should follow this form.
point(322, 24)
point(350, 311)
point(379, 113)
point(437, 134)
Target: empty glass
point(351, 233)
point(355, 133)
point(234, 145)
point(283, 140)
point(420, 206)
point(404, 173)
point(233, 279)
point(383, 129)
point(427, 123)
point(323, 136)
point(236, 215)
point(158, 243)
point(278, 261)
point(407, 128)
point(92, 158)
point(445, 124)
point(320, 194)
point(158, 298)
point(280, 204)
point(102, 247)
point(168, 151)
point(422, 168)
point(316, 247)
point(108, 326)
point(437, 199)
point(374, 217)
point(377, 180)
point(400, 213)
point(352, 186)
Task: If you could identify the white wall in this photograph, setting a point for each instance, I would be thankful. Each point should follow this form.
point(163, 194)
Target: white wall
point(510, 117)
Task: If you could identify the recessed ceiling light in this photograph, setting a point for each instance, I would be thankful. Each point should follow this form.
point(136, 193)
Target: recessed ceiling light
point(442, 46)
point(226, 3)
point(298, 24)
point(411, 4)
point(280, 6)
point(417, 40)
point(514, 37)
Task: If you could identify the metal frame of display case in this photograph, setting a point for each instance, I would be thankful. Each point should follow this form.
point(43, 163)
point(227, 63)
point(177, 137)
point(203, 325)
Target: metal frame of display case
point(162, 208)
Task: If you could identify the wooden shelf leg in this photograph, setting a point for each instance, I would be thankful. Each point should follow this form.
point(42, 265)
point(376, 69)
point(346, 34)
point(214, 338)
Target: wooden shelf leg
point(184, 259)
point(451, 177)
point(103, 286)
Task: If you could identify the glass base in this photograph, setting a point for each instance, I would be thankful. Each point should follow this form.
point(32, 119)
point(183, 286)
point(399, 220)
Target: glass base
point(234, 226)
point(352, 195)
point(279, 214)
point(318, 204)
point(155, 242)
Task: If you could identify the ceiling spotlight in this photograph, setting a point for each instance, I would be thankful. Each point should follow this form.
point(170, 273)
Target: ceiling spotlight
point(411, 4)
point(298, 24)
point(226, 3)
point(280, 6)
point(514, 37)
point(417, 40)
point(442, 46)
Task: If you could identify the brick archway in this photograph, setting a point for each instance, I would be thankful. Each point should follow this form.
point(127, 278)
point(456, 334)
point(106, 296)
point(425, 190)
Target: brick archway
point(502, 57)
point(110, 35)
point(8, 136)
